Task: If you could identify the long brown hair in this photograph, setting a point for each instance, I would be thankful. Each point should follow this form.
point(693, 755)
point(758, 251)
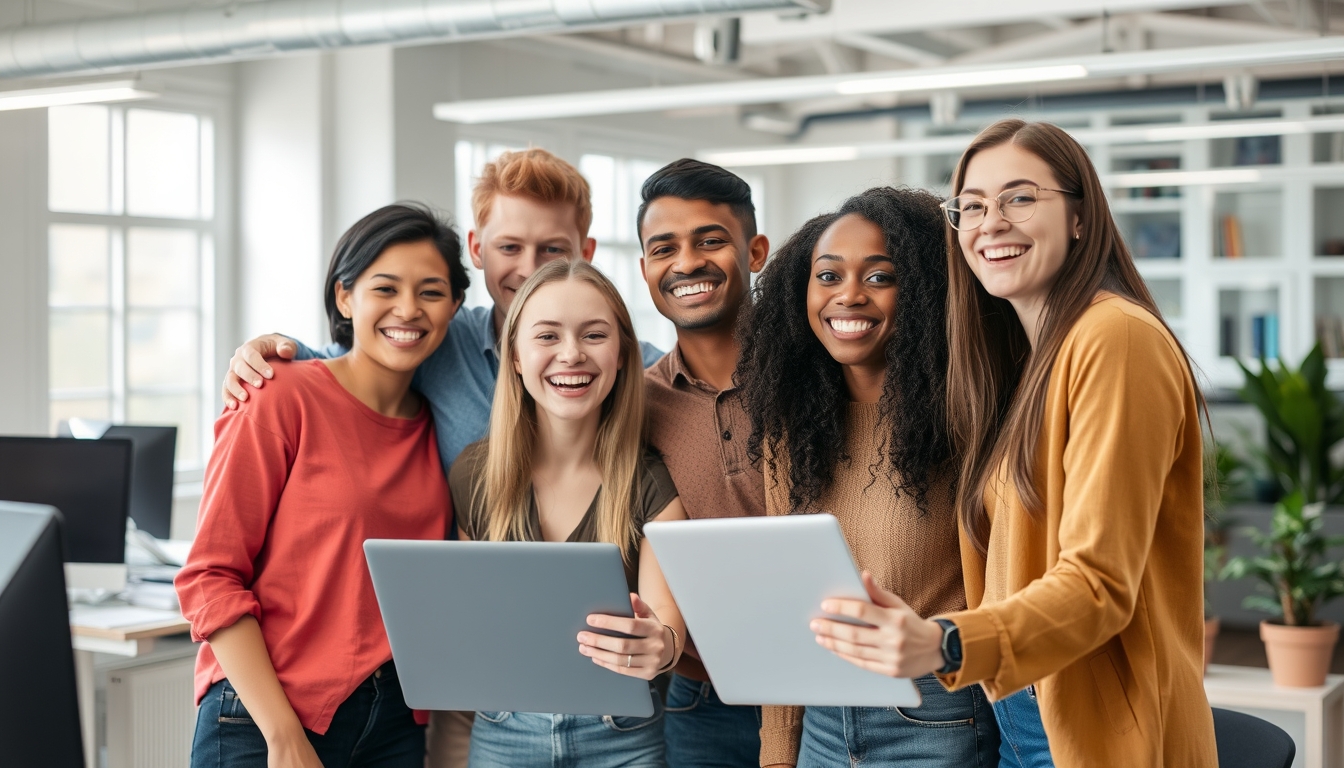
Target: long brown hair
point(506, 484)
point(996, 382)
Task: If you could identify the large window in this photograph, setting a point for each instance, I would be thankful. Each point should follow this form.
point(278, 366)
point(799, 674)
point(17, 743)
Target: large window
point(130, 255)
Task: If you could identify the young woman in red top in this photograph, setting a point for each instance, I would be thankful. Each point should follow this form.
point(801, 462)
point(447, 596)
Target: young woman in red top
point(296, 668)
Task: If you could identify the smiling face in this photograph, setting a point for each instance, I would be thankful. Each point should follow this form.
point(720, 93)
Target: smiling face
point(697, 261)
point(1017, 261)
point(520, 235)
point(568, 349)
point(400, 306)
point(851, 296)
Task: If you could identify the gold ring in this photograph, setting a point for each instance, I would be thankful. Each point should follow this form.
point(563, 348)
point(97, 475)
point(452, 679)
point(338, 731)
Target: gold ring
point(629, 660)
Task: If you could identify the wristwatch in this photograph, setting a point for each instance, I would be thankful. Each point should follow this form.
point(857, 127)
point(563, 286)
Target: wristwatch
point(951, 646)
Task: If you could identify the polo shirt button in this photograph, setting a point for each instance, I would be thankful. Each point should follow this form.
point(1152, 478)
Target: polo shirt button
point(727, 435)
point(377, 673)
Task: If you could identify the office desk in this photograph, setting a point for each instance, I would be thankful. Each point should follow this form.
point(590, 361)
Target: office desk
point(118, 629)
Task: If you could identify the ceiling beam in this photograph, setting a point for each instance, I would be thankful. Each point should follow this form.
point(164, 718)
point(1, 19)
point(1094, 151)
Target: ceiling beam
point(890, 49)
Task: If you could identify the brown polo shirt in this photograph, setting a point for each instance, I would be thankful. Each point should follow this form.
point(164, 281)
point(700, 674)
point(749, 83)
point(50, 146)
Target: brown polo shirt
point(702, 436)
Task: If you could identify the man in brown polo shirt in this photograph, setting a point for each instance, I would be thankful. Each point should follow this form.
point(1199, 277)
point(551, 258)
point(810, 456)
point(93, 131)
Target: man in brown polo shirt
point(697, 225)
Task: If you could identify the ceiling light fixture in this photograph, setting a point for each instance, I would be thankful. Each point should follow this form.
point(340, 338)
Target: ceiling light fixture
point(784, 89)
point(975, 78)
point(942, 145)
point(83, 93)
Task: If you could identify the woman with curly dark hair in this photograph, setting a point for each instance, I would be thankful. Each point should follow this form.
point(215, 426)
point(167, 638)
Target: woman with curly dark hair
point(843, 374)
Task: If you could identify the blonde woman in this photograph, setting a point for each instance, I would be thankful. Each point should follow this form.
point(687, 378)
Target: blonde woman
point(566, 460)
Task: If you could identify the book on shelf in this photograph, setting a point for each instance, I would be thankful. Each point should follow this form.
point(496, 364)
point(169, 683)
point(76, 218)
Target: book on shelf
point(1258, 150)
point(1157, 239)
point(1330, 333)
point(1230, 241)
point(1265, 336)
point(1154, 164)
point(1227, 336)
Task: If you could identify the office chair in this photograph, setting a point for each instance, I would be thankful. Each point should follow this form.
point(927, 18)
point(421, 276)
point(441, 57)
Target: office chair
point(1249, 742)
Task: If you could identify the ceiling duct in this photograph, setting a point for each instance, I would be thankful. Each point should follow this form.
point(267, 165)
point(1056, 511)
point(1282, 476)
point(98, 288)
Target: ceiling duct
point(243, 30)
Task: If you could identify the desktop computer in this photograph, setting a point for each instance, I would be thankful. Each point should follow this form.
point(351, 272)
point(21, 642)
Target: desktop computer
point(153, 450)
point(89, 482)
point(39, 708)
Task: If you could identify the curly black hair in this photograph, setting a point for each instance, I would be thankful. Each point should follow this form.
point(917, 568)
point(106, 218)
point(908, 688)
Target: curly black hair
point(793, 390)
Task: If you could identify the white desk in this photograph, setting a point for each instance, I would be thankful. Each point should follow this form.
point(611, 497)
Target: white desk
point(101, 629)
point(1250, 688)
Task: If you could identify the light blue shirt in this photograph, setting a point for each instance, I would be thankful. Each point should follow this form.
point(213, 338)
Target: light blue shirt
point(458, 380)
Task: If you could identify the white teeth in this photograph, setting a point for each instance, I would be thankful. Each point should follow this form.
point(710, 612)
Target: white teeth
point(692, 290)
point(851, 326)
point(570, 381)
point(1004, 252)
point(397, 334)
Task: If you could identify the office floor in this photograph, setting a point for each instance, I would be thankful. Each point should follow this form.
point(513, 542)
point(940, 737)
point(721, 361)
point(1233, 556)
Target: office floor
point(1242, 648)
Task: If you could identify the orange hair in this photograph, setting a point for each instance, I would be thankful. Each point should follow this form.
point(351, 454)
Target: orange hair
point(537, 174)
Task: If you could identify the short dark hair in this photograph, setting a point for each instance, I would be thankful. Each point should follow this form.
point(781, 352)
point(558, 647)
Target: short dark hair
point(695, 180)
point(365, 241)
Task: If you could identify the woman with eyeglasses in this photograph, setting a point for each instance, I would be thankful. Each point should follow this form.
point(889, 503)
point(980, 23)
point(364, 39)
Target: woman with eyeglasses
point(1074, 411)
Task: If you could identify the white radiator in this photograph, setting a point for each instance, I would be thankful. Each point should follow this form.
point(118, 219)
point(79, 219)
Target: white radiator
point(151, 715)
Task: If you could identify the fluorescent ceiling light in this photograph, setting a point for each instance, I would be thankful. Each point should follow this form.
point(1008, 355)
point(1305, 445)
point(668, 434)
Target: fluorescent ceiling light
point(84, 93)
point(783, 156)
point(1184, 178)
point(970, 79)
point(1206, 59)
point(946, 145)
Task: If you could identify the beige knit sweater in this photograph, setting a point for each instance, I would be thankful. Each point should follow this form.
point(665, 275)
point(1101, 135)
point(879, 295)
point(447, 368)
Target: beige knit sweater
point(912, 554)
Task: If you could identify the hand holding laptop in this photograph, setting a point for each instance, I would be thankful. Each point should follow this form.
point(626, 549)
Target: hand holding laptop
point(645, 648)
point(898, 642)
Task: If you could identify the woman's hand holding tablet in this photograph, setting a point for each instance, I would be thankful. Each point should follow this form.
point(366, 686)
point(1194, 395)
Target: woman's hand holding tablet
point(898, 642)
point(647, 647)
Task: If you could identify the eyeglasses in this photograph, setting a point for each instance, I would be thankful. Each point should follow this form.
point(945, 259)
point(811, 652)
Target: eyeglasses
point(1015, 206)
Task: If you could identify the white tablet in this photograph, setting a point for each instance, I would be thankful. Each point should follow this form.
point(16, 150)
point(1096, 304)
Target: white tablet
point(748, 587)
point(478, 625)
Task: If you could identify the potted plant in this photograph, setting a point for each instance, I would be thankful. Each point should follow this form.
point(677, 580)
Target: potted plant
point(1225, 481)
point(1300, 579)
point(1304, 422)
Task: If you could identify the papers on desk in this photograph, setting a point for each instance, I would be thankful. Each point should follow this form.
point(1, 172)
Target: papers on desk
point(119, 616)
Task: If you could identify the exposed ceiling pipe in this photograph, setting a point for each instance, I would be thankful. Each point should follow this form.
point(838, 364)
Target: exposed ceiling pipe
point(244, 30)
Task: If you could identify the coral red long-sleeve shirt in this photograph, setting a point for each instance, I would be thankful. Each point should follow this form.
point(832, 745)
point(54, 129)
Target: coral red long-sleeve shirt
point(302, 473)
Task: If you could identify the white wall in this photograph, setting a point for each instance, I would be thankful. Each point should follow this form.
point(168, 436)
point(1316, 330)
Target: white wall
point(804, 191)
point(280, 201)
point(23, 265)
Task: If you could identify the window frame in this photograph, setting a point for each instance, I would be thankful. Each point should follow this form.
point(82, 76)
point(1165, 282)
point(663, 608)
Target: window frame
point(215, 283)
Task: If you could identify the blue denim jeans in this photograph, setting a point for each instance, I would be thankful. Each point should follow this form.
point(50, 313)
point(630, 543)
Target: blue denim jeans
point(1023, 742)
point(373, 727)
point(949, 730)
point(532, 740)
point(703, 732)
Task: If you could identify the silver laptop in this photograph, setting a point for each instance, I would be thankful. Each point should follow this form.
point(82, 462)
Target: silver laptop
point(748, 588)
point(494, 625)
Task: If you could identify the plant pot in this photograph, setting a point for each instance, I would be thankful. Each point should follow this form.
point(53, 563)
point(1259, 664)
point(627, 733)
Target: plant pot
point(1211, 626)
point(1299, 657)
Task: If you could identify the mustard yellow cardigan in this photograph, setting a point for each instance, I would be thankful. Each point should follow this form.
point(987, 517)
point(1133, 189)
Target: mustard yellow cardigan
point(1100, 603)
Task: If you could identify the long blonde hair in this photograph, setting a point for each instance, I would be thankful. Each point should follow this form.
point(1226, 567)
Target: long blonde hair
point(505, 486)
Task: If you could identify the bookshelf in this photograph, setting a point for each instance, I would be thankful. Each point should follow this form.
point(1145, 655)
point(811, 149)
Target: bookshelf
point(1281, 289)
point(1248, 224)
point(1329, 304)
point(1329, 229)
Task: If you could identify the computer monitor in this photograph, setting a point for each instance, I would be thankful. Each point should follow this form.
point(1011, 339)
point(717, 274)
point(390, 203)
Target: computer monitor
point(89, 481)
point(39, 711)
point(153, 449)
